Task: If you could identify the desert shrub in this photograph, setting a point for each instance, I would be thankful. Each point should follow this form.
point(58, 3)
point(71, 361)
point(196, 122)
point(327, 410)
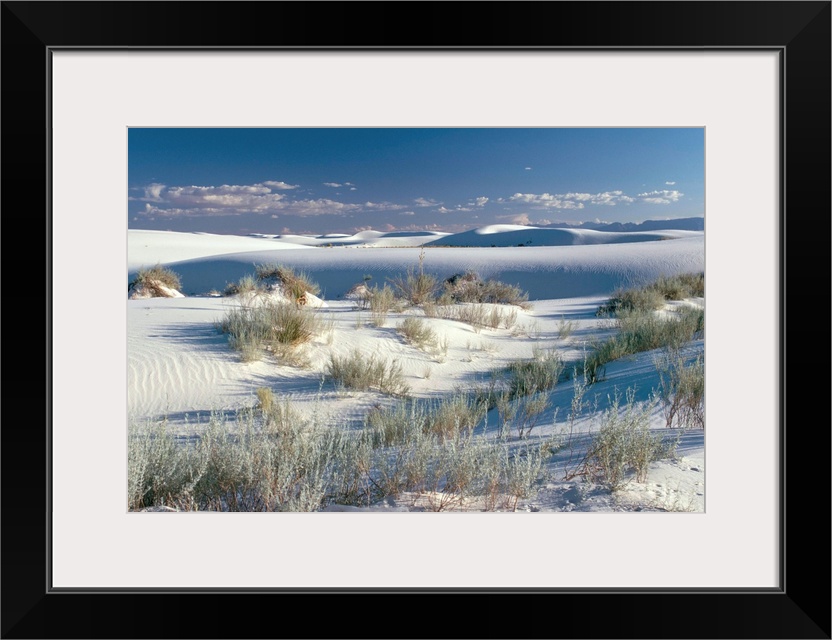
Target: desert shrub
point(151, 278)
point(416, 286)
point(458, 413)
point(277, 327)
point(274, 460)
point(624, 444)
point(417, 332)
point(565, 328)
point(246, 285)
point(357, 371)
point(682, 389)
point(159, 471)
point(381, 302)
point(643, 332)
point(624, 300)
point(395, 424)
point(274, 468)
point(532, 376)
point(469, 287)
point(652, 296)
point(679, 287)
point(295, 284)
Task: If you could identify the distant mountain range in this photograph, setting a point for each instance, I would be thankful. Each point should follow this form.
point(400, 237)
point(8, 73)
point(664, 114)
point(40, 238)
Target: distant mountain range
point(686, 224)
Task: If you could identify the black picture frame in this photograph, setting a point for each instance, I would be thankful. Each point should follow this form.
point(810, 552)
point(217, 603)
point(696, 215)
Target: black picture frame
point(31, 608)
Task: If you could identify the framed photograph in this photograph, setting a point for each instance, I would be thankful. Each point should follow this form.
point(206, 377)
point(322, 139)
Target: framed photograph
point(86, 83)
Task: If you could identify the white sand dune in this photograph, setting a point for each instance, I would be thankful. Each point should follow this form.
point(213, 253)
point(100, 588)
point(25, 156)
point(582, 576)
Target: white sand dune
point(180, 366)
point(509, 235)
point(545, 272)
point(368, 238)
point(145, 248)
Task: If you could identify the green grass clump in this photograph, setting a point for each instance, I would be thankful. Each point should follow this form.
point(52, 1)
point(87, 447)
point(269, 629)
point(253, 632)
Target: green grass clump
point(682, 389)
point(357, 371)
point(417, 332)
point(276, 327)
point(381, 301)
point(643, 332)
point(458, 413)
point(533, 376)
point(652, 296)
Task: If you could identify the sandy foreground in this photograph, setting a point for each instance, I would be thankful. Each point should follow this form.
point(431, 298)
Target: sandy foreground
point(182, 368)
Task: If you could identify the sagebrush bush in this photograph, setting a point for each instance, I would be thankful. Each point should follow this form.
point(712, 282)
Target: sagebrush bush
point(242, 466)
point(625, 444)
point(458, 413)
point(360, 372)
point(159, 471)
point(275, 460)
point(277, 327)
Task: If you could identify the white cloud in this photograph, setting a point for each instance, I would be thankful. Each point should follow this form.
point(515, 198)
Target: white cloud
point(332, 184)
point(349, 184)
point(571, 200)
point(279, 184)
point(522, 218)
point(426, 202)
point(353, 189)
point(383, 206)
point(528, 168)
point(670, 183)
point(546, 201)
point(660, 197)
point(153, 192)
point(407, 213)
point(478, 202)
point(246, 199)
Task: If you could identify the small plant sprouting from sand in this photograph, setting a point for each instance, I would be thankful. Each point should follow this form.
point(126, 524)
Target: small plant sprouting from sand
point(565, 328)
point(381, 301)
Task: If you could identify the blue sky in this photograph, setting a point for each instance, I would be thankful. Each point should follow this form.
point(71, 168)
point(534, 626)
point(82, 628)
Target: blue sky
point(330, 180)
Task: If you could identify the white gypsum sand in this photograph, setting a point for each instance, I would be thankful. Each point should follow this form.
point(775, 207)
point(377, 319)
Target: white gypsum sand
point(182, 368)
